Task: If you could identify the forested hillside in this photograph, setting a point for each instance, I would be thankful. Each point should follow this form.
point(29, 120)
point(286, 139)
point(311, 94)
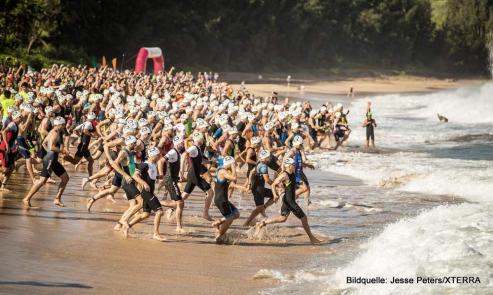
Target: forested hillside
point(254, 35)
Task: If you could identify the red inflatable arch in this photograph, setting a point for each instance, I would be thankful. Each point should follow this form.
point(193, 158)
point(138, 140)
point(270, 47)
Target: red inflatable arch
point(149, 52)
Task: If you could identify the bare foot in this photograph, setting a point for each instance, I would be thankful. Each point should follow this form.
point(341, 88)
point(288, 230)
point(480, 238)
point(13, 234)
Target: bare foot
point(216, 225)
point(117, 227)
point(181, 231)
point(4, 190)
point(26, 203)
point(58, 203)
point(207, 217)
point(93, 186)
point(89, 203)
point(125, 229)
point(84, 182)
point(50, 180)
point(219, 239)
point(258, 226)
point(111, 198)
point(159, 238)
point(316, 241)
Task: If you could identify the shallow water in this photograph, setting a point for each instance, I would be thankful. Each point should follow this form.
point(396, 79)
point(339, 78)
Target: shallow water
point(316, 99)
point(424, 207)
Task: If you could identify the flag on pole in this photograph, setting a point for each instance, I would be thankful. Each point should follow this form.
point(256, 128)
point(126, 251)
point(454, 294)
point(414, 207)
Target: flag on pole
point(93, 62)
point(113, 63)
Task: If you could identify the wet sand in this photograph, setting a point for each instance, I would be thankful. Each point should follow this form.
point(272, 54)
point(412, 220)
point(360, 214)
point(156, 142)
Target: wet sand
point(54, 250)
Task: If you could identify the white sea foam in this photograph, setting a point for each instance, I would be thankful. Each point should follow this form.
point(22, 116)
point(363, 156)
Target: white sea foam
point(410, 120)
point(296, 277)
point(447, 240)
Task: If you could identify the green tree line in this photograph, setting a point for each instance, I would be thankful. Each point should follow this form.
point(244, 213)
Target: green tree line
point(256, 35)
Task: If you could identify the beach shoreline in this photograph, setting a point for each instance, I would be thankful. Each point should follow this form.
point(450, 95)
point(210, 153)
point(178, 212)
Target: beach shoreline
point(363, 86)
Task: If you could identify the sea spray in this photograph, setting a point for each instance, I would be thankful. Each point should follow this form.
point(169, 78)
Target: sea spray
point(445, 241)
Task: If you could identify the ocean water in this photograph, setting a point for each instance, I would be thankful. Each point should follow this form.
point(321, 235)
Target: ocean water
point(425, 204)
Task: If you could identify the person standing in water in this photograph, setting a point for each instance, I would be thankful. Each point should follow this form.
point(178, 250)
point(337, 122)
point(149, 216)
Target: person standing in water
point(288, 179)
point(125, 165)
point(225, 178)
point(350, 94)
point(300, 161)
point(145, 178)
point(369, 124)
point(172, 162)
point(196, 173)
point(256, 181)
point(52, 146)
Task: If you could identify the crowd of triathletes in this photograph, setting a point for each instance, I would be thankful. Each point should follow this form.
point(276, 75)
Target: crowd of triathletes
point(170, 132)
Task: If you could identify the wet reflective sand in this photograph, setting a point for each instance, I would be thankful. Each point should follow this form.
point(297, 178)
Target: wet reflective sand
point(54, 250)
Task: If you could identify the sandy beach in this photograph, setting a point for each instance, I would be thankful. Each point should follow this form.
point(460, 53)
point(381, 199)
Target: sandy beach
point(363, 86)
point(60, 250)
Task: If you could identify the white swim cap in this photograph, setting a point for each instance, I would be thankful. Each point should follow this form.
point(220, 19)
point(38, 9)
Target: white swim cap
point(264, 154)
point(153, 151)
point(197, 136)
point(168, 126)
point(268, 126)
point(59, 121)
point(177, 140)
point(119, 114)
point(130, 139)
point(132, 124)
point(298, 140)
point(111, 112)
point(143, 122)
point(232, 130)
point(202, 124)
point(16, 115)
point(256, 140)
point(296, 113)
point(228, 160)
point(282, 116)
point(91, 116)
point(151, 114)
point(288, 161)
point(11, 109)
point(145, 130)
point(127, 129)
point(167, 120)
